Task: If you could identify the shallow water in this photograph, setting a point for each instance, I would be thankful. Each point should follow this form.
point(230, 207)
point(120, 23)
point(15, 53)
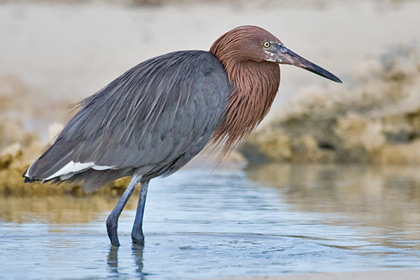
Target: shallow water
point(265, 220)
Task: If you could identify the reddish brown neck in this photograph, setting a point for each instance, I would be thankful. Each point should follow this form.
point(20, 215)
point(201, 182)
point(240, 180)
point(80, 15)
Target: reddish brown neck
point(254, 87)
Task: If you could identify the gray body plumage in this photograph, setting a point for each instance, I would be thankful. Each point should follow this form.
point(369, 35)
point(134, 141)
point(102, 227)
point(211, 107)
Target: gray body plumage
point(151, 120)
point(158, 115)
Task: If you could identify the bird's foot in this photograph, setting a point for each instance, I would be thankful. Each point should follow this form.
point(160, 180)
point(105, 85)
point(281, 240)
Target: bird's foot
point(137, 237)
point(112, 228)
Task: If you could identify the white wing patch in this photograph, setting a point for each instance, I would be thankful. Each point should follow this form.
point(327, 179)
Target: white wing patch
point(27, 171)
point(102, 167)
point(72, 168)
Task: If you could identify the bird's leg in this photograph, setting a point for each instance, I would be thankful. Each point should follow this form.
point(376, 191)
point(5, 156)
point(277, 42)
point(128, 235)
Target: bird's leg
point(137, 232)
point(112, 221)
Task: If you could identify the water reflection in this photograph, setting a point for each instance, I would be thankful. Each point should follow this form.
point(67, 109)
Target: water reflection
point(64, 209)
point(138, 257)
point(113, 261)
point(215, 223)
point(382, 199)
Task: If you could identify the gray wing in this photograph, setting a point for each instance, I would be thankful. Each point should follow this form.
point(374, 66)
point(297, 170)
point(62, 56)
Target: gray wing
point(153, 119)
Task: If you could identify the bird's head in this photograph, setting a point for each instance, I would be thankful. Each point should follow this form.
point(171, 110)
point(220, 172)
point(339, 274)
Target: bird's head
point(252, 43)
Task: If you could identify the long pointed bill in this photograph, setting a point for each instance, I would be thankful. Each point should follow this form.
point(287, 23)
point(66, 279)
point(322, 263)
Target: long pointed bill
point(286, 56)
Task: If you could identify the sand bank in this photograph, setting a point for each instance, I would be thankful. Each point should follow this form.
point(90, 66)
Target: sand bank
point(367, 275)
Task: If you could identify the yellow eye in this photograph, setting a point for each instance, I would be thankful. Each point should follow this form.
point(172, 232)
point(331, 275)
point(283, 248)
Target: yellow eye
point(266, 44)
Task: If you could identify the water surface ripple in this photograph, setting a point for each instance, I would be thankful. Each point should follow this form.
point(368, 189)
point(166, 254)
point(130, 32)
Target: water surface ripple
point(265, 220)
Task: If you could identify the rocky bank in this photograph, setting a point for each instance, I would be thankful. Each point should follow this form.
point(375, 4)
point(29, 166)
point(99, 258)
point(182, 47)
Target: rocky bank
point(373, 117)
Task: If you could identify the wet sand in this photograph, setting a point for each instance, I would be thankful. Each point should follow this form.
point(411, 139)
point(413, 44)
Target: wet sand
point(368, 275)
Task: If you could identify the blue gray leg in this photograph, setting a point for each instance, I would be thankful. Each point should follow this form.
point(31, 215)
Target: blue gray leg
point(137, 232)
point(112, 221)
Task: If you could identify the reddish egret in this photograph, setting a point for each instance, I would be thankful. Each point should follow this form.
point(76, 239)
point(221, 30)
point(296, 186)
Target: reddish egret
point(158, 115)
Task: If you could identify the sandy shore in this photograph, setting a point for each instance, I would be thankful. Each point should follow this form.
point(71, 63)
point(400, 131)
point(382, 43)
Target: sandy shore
point(366, 275)
point(83, 47)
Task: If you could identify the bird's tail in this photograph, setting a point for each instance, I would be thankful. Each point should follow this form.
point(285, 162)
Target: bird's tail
point(58, 164)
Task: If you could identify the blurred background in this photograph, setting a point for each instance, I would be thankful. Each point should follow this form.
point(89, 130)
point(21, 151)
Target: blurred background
point(349, 152)
point(55, 53)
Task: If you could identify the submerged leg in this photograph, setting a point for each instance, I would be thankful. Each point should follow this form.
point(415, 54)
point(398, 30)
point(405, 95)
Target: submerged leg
point(112, 221)
point(137, 232)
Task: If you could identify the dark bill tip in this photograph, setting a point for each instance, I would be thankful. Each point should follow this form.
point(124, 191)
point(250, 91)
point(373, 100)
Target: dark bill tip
point(321, 72)
point(289, 57)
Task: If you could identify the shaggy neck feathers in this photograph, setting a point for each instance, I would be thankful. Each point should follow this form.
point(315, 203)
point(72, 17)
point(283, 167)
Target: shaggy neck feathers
point(254, 87)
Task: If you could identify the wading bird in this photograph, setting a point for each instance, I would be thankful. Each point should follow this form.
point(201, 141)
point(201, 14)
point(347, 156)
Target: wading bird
point(158, 115)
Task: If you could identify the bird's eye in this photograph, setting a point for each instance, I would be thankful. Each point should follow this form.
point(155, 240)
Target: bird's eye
point(266, 44)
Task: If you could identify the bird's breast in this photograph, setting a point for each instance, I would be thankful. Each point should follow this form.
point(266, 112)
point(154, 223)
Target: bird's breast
point(254, 87)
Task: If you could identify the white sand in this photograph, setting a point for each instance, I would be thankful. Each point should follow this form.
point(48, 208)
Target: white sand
point(70, 51)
